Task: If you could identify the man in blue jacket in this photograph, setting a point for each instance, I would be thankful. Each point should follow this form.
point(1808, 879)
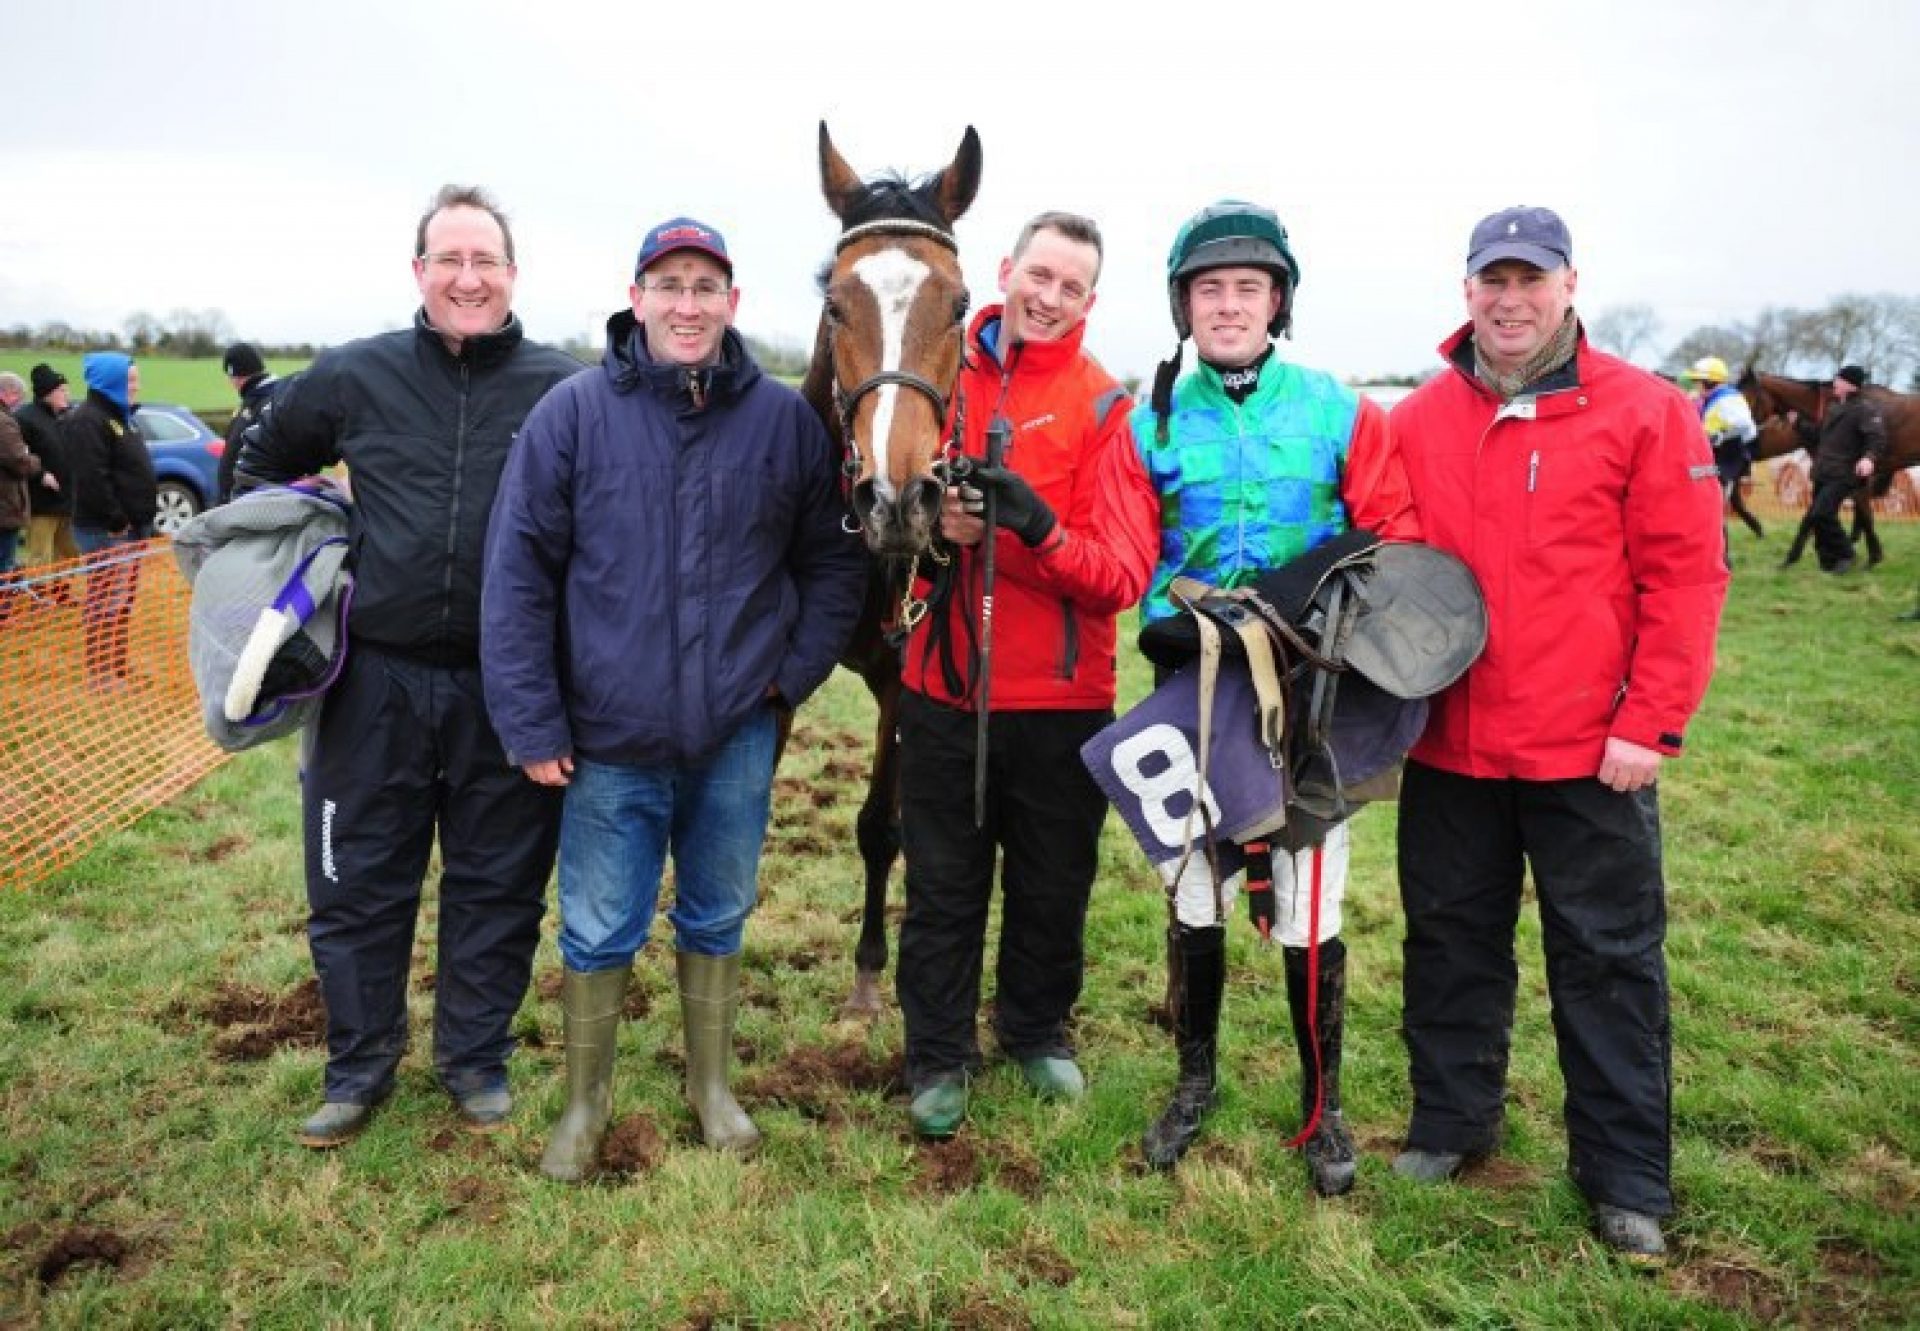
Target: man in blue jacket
point(666, 576)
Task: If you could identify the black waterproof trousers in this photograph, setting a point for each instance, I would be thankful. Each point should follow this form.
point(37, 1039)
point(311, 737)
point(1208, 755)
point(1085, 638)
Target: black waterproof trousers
point(1465, 844)
point(1043, 816)
point(403, 751)
point(1830, 541)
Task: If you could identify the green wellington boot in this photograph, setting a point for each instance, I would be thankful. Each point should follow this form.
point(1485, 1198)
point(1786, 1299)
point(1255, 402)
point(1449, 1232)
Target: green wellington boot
point(591, 1003)
point(709, 1001)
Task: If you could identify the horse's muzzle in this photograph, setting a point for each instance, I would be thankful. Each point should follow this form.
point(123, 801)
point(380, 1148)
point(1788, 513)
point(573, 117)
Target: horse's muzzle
point(899, 528)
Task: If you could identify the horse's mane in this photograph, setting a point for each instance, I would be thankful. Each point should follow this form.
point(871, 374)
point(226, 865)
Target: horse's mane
point(890, 197)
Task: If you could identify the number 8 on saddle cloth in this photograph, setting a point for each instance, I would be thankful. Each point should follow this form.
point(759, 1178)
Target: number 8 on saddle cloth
point(1292, 702)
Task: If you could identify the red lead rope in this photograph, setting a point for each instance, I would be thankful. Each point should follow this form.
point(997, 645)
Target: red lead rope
point(1313, 1005)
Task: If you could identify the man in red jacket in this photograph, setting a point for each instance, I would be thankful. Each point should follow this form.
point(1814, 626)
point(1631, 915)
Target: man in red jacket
point(1077, 519)
point(1581, 492)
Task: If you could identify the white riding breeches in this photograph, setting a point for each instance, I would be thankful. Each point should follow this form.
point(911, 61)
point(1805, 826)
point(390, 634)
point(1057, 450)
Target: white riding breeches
point(1198, 904)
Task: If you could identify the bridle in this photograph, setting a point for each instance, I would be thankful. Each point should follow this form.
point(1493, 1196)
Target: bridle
point(847, 402)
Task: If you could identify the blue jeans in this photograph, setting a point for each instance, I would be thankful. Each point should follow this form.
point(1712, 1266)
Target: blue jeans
point(9, 549)
point(622, 820)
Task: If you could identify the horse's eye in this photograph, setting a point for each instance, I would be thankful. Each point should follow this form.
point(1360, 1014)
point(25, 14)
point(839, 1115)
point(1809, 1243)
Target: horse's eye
point(832, 311)
point(962, 303)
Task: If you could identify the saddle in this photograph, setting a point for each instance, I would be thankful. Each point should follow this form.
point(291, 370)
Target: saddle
point(1342, 647)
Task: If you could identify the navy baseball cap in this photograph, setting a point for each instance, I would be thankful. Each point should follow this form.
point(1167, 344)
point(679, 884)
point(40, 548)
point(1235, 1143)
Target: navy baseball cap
point(1531, 235)
point(682, 233)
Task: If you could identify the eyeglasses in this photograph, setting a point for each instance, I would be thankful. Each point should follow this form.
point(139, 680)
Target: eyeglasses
point(483, 265)
point(704, 292)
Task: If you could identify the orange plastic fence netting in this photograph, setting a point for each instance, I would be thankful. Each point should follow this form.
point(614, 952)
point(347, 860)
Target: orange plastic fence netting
point(99, 721)
point(1781, 487)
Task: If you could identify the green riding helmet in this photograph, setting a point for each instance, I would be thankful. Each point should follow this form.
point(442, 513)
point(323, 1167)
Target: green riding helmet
point(1232, 234)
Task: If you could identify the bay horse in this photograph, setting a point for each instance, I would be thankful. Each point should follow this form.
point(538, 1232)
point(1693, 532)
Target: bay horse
point(1771, 396)
point(885, 357)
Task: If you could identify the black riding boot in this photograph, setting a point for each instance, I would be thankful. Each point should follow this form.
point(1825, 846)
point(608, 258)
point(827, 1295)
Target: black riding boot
point(1198, 957)
point(1329, 1151)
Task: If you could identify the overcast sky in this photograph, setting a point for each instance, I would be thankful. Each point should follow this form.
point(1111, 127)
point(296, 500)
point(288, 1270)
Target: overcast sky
point(270, 161)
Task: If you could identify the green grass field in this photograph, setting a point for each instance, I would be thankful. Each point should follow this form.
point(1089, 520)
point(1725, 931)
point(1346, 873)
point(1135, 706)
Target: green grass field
point(156, 1052)
point(199, 384)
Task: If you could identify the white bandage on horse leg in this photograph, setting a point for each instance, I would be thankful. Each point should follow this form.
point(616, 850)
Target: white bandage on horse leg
point(1197, 904)
point(1293, 889)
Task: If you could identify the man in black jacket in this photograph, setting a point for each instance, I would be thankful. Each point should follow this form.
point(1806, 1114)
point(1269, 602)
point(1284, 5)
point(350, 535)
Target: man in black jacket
point(251, 380)
point(1847, 444)
point(50, 533)
point(403, 749)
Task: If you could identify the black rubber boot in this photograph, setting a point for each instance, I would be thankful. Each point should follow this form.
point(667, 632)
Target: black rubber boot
point(1329, 1151)
point(1198, 957)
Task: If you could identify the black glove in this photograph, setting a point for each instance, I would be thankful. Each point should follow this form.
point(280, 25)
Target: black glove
point(1016, 506)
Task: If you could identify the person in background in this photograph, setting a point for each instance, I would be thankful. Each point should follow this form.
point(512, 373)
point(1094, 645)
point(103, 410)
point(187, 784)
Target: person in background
point(1728, 421)
point(19, 469)
point(255, 387)
point(1848, 445)
point(50, 533)
point(115, 497)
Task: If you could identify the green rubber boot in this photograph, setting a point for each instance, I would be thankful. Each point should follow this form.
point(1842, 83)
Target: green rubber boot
point(709, 1001)
point(591, 1003)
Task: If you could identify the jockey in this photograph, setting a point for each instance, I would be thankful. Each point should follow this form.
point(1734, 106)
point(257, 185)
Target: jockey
point(1256, 461)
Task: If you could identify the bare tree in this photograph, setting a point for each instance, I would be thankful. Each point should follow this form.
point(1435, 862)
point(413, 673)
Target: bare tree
point(1625, 330)
point(143, 330)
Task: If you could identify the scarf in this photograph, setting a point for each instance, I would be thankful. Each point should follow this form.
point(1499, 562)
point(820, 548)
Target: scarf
point(1556, 352)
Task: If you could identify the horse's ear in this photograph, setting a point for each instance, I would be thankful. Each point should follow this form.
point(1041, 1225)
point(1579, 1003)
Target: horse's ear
point(959, 181)
point(838, 181)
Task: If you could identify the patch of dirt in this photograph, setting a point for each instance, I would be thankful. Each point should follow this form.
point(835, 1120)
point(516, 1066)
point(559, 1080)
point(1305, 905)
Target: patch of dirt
point(1036, 1261)
point(1018, 1170)
point(444, 1140)
point(633, 1146)
point(1495, 1173)
point(225, 848)
point(26, 1234)
point(981, 1310)
point(547, 985)
point(425, 982)
point(844, 768)
point(1158, 1016)
point(1734, 1288)
point(80, 1246)
point(707, 1311)
point(1843, 1259)
point(815, 1080)
point(809, 845)
point(944, 1168)
point(255, 1023)
point(473, 1198)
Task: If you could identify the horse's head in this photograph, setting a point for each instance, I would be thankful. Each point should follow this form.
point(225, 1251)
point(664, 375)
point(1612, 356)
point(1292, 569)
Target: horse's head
point(892, 330)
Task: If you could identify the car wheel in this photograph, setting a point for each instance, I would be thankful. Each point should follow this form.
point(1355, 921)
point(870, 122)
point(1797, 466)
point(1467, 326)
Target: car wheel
point(178, 506)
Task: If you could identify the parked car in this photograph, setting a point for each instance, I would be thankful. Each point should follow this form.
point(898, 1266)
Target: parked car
point(186, 461)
